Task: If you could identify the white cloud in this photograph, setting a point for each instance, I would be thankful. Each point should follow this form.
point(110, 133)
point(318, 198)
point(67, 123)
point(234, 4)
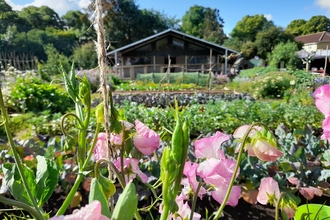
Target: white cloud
point(324, 4)
point(59, 6)
point(268, 17)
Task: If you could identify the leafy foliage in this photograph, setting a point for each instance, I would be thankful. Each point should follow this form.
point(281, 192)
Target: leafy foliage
point(284, 55)
point(32, 95)
point(272, 85)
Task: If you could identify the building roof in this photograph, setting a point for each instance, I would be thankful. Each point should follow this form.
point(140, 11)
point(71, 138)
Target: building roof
point(168, 32)
point(314, 38)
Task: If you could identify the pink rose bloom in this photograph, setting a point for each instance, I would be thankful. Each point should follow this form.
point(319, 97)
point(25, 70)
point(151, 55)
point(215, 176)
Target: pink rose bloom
point(209, 147)
point(131, 169)
point(190, 171)
point(145, 139)
point(268, 191)
point(91, 211)
point(100, 150)
point(322, 99)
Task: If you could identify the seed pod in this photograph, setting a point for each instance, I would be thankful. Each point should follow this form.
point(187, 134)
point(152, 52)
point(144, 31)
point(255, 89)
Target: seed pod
point(127, 204)
point(97, 193)
point(177, 141)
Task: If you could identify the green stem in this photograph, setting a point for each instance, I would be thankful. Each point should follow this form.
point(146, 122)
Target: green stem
point(70, 196)
point(22, 205)
point(17, 158)
point(238, 161)
point(165, 203)
point(277, 208)
point(195, 199)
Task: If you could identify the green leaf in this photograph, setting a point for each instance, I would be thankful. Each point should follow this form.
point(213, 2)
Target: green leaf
point(127, 204)
point(97, 193)
point(15, 185)
point(47, 179)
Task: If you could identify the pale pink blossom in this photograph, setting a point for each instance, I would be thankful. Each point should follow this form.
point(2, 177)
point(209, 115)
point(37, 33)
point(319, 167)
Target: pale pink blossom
point(116, 139)
point(190, 171)
point(269, 191)
point(266, 151)
point(131, 169)
point(322, 99)
point(289, 211)
point(259, 147)
point(240, 131)
point(219, 173)
point(101, 150)
point(185, 211)
point(145, 139)
point(209, 147)
point(326, 129)
point(91, 211)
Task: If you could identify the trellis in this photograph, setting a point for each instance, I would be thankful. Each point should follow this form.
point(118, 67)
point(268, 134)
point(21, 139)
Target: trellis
point(19, 61)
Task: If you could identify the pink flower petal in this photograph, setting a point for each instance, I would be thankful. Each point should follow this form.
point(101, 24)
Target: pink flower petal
point(240, 131)
point(101, 150)
point(220, 191)
point(209, 147)
point(268, 187)
point(265, 151)
point(322, 99)
point(145, 139)
point(91, 211)
point(190, 171)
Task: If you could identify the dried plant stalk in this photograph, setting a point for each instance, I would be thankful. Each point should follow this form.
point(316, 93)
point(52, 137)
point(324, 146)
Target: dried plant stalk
point(101, 55)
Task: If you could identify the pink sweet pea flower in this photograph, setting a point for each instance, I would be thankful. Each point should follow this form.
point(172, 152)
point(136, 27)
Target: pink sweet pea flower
point(265, 151)
point(326, 129)
point(322, 99)
point(145, 139)
point(185, 211)
point(269, 191)
point(100, 150)
point(307, 192)
point(131, 169)
point(91, 211)
point(219, 173)
point(259, 146)
point(190, 171)
point(289, 211)
point(209, 147)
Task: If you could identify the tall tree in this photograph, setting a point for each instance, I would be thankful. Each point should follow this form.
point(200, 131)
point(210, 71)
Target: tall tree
point(268, 39)
point(204, 23)
point(285, 55)
point(8, 17)
point(247, 28)
point(41, 17)
point(317, 24)
point(126, 23)
point(79, 23)
point(296, 27)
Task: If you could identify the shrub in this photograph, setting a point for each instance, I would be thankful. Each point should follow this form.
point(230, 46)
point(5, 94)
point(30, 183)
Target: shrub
point(31, 94)
point(272, 85)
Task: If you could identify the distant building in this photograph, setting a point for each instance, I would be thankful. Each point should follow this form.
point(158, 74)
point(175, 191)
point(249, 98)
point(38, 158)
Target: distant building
point(316, 51)
point(186, 53)
point(315, 42)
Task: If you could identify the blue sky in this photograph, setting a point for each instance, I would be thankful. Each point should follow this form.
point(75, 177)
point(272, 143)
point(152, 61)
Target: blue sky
point(281, 12)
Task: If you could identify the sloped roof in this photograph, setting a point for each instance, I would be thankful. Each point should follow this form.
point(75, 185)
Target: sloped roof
point(314, 38)
point(167, 32)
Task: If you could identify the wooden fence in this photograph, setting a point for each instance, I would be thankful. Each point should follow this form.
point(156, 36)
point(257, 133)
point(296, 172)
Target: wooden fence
point(18, 61)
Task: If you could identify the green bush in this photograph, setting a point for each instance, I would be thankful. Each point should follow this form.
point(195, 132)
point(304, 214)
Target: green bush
point(273, 85)
point(31, 94)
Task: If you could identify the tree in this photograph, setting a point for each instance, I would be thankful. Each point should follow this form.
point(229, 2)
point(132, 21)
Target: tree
point(233, 43)
point(41, 17)
point(8, 17)
point(79, 23)
point(247, 28)
point(317, 24)
point(296, 27)
point(126, 23)
point(284, 55)
point(204, 23)
point(267, 40)
point(84, 56)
